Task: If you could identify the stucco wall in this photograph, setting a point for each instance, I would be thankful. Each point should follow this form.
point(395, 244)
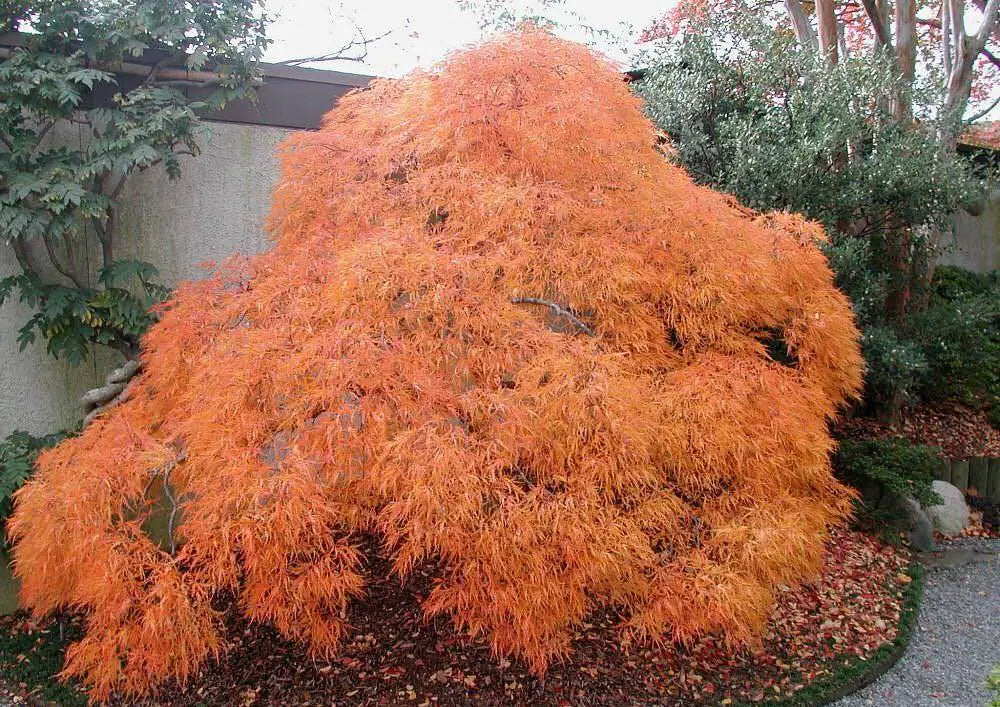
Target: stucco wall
point(215, 209)
point(975, 242)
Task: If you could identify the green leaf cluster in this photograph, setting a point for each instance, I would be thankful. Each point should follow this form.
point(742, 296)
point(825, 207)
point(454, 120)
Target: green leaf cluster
point(17, 459)
point(69, 319)
point(993, 685)
point(74, 128)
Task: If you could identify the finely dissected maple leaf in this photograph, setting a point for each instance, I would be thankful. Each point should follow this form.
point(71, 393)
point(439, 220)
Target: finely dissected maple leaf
point(498, 331)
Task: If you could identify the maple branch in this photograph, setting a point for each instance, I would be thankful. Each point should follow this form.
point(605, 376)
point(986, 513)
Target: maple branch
point(983, 112)
point(993, 58)
point(101, 396)
point(118, 380)
point(173, 506)
point(556, 309)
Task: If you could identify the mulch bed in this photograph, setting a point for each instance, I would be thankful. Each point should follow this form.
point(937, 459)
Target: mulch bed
point(394, 657)
point(959, 430)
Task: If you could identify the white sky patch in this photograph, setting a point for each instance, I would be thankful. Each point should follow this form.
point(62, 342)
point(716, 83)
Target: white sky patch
point(424, 32)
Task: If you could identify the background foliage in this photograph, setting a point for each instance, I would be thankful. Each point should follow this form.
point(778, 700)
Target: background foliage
point(752, 112)
point(959, 335)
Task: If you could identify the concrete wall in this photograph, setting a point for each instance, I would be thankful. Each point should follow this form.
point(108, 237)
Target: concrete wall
point(975, 241)
point(215, 209)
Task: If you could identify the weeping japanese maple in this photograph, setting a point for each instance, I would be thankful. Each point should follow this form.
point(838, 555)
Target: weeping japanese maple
point(497, 331)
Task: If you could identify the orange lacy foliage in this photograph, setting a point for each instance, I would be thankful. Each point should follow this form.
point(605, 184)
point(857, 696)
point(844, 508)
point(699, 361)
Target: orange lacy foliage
point(380, 372)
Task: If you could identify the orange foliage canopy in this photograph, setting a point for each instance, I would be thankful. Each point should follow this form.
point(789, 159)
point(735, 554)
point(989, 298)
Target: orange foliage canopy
point(499, 331)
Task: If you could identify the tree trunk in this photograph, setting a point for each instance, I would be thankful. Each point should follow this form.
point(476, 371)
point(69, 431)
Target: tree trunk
point(827, 20)
point(898, 244)
point(800, 23)
point(906, 57)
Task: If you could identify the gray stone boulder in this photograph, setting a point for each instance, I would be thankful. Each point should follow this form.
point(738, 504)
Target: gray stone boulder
point(919, 525)
point(952, 514)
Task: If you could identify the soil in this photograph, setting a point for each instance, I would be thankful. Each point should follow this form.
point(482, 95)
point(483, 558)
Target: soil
point(958, 430)
point(394, 657)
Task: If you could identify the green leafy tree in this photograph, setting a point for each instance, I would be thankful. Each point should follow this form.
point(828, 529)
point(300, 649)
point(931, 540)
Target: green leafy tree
point(133, 75)
point(753, 112)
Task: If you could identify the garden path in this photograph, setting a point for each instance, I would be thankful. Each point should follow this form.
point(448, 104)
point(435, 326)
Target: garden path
point(957, 638)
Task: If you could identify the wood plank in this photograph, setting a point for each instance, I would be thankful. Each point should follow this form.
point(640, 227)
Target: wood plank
point(960, 474)
point(978, 474)
point(993, 486)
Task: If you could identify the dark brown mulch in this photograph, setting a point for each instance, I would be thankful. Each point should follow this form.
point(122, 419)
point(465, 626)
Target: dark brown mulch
point(394, 657)
point(959, 430)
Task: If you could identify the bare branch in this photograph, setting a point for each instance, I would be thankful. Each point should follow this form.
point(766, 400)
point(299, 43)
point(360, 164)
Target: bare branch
point(945, 25)
point(556, 309)
point(98, 397)
point(154, 70)
point(173, 506)
point(993, 59)
point(99, 227)
point(119, 186)
point(906, 55)
point(189, 83)
point(957, 14)
point(63, 269)
point(827, 22)
point(354, 50)
point(45, 131)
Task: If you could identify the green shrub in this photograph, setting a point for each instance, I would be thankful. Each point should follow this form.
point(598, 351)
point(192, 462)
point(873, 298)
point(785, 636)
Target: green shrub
point(17, 459)
point(959, 335)
point(993, 685)
point(887, 470)
point(858, 275)
point(894, 367)
point(952, 282)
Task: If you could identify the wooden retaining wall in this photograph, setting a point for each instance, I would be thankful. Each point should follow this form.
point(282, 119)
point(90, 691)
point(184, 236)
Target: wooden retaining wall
point(980, 475)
